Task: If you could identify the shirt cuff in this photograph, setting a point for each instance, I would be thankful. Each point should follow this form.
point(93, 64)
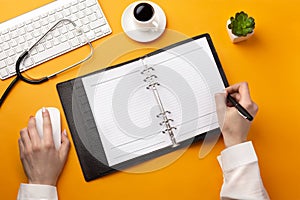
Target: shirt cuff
point(237, 155)
point(36, 191)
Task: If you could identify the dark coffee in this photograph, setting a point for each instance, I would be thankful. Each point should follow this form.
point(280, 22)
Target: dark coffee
point(143, 12)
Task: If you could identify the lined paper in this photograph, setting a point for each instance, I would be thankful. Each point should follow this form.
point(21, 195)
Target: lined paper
point(125, 111)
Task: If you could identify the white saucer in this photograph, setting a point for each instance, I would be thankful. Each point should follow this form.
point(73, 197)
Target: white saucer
point(132, 31)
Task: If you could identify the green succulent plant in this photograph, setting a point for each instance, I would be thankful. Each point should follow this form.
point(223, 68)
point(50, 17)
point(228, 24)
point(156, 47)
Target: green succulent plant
point(241, 24)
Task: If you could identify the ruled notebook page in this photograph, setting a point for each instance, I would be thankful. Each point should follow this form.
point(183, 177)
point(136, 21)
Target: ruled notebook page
point(125, 111)
point(189, 78)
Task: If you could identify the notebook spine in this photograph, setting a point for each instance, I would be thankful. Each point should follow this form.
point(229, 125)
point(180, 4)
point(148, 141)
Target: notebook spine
point(152, 81)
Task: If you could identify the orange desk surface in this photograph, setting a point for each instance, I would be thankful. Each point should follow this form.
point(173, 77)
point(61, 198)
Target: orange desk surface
point(269, 62)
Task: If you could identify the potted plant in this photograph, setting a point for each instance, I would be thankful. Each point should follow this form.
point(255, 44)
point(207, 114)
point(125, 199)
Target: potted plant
point(240, 27)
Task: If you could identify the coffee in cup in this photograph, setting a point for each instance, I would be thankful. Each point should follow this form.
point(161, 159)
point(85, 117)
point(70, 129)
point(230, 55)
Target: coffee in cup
point(145, 17)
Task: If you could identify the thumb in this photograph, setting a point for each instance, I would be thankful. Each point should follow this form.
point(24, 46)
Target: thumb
point(65, 146)
point(221, 107)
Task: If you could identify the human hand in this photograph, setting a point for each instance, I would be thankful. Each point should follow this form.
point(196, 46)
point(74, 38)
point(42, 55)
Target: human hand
point(41, 162)
point(233, 126)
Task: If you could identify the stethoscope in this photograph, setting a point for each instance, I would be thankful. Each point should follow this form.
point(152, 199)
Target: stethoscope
point(25, 54)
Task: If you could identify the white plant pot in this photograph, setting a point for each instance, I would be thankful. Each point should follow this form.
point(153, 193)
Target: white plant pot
point(236, 39)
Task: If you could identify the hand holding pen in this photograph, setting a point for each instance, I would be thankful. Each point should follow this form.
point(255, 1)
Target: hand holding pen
point(235, 110)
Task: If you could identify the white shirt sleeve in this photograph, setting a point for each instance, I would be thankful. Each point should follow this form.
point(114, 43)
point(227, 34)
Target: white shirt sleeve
point(37, 192)
point(241, 175)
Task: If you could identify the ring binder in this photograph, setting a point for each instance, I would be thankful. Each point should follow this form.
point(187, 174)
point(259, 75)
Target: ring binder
point(164, 131)
point(147, 70)
point(167, 121)
point(151, 79)
point(164, 113)
point(152, 85)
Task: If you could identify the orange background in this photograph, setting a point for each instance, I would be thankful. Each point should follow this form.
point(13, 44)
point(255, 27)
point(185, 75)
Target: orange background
point(269, 61)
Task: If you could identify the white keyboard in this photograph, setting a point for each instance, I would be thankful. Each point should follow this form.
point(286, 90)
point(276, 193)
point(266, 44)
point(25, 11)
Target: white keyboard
point(20, 33)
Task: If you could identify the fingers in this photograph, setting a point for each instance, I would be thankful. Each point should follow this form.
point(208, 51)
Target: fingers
point(33, 133)
point(220, 99)
point(242, 91)
point(25, 138)
point(21, 148)
point(47, 128)
point(65, 146)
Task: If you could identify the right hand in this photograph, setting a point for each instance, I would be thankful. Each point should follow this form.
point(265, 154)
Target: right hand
point(42, 163)
point(233, 126)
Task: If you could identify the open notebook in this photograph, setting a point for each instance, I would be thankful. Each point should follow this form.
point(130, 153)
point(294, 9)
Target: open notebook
point(145, 107)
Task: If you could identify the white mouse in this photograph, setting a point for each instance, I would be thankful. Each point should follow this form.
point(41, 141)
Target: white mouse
point(55, 122)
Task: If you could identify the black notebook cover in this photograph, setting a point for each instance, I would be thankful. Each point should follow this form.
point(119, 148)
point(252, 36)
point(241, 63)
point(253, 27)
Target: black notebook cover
point(84, 131)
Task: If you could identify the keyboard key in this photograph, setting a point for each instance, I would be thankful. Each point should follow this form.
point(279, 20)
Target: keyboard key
point(36, 25)
point(41, 48)
point(80, 15)
point(21, 32)
point(48, 45)
point(90, 35)
point(36, 33)
point(64, 30)
point(2, 64)
point(14, 34)
point(88, 11)
point(13, 43)
point(74, 10)
point(51, 18)
point(27, 62)
point(36, 18)
point(5, 31)
point(66, 13)
point(63, 38)
point(56, 33)
point(81, 6)
point(19, 49)
point(90, 3)
point(92, 17)
point(70, 35)
point(55, 42)
point(94, 24)
point(75, 42)
point(10, 61)
point(6, 37)
point(44, 15)
point(5, 46)
point(2, 55)
point(3, 73)
point(49, 37)
point(85, 29)
point(11, 52)
point(28, 37)
point(29, 28)
point(13, 28)
point(11, 69)
point(44, 22)
point(33, 52)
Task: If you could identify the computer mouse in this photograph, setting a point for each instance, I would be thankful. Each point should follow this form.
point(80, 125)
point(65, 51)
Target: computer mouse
point(55, 122)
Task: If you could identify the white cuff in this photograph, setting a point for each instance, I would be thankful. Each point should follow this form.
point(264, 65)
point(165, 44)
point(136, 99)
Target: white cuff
point(237, 155)
point(36, 191)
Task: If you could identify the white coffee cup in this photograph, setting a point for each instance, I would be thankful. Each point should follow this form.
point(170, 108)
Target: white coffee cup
point(145, 16)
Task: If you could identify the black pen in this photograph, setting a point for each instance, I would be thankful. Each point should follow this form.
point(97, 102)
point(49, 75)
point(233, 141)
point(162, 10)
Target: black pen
point(240, 108)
